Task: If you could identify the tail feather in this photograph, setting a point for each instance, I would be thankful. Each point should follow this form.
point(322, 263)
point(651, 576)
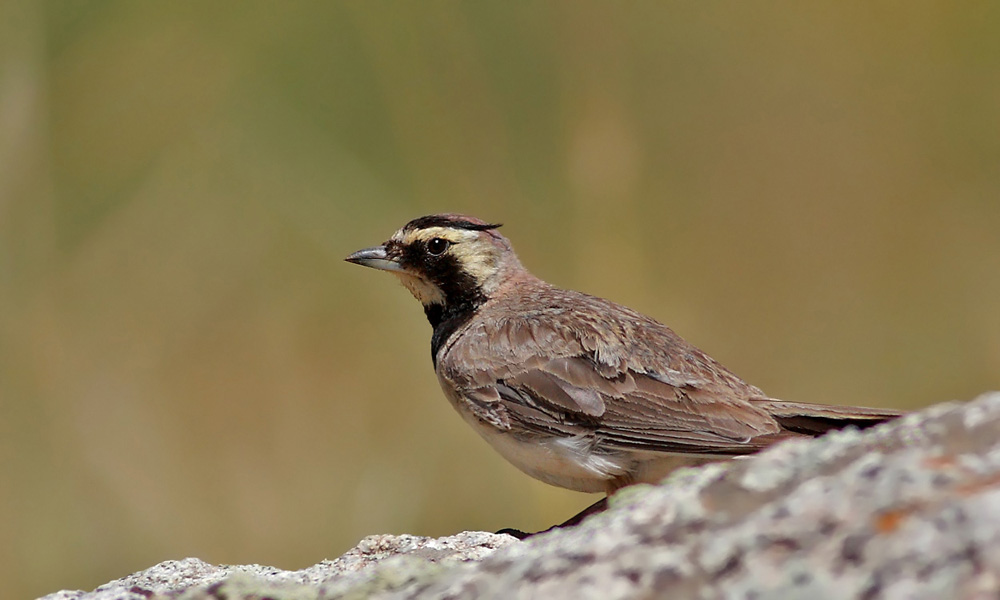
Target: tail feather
point(817, 419)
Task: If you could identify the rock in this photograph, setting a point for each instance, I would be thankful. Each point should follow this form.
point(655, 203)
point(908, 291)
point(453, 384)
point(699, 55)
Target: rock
point(377, 563)
point(910, 509)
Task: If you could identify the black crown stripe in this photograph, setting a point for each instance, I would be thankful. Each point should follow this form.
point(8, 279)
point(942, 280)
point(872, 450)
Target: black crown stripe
point(440, 221)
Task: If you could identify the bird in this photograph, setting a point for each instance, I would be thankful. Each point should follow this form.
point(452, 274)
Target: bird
point(574, 390)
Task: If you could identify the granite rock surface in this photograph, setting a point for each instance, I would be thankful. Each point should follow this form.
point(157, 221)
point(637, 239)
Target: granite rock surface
point(909, 509)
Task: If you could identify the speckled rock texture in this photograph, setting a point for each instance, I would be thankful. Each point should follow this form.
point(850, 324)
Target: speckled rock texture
point(378, 563)
point(909, 510)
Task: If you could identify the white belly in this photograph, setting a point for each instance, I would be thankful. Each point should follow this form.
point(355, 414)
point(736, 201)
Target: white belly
point(563, 462)
point(573, 462)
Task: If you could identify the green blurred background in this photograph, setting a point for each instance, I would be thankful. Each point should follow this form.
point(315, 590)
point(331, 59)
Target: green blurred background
point(811, 193)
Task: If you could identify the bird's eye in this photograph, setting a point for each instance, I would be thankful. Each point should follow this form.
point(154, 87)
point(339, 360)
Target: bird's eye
point(437, 246)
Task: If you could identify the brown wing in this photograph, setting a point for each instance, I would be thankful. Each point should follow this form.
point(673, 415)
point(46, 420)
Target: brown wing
point(569, 365)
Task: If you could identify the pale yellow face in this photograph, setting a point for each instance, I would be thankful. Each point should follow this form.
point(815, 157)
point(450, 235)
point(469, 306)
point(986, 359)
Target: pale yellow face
point(477, 256)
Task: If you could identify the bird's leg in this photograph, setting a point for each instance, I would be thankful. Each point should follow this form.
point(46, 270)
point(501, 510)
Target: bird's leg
point(597, 507)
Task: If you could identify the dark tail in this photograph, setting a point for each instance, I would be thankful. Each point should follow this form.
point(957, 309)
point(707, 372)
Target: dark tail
point(817, 419)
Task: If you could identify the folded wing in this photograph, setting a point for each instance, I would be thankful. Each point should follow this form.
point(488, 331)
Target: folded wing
point(623, 384)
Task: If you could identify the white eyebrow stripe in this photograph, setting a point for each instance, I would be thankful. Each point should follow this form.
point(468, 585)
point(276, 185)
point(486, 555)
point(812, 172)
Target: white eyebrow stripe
point(451, 234)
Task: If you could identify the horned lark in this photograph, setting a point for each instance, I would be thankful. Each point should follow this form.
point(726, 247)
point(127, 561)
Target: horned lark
point(574, 390)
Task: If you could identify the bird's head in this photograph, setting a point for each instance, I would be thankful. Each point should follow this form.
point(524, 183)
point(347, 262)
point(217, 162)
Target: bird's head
point(448, 262)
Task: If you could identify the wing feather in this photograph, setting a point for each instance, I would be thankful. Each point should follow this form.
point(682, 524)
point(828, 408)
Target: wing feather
point(609, 371)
